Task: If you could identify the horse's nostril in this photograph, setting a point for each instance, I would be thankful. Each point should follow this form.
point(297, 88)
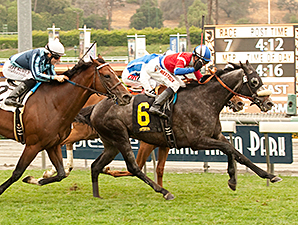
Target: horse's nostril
point(240, 103)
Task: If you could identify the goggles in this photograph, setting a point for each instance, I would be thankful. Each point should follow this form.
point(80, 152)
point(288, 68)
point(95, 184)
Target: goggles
point(55, 56)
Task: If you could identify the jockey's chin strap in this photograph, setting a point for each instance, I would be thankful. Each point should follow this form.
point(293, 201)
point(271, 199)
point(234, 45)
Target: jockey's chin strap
point(224, 85)
point(109, 94)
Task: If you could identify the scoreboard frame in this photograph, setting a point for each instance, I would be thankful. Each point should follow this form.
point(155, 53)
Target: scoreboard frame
point(272, 49)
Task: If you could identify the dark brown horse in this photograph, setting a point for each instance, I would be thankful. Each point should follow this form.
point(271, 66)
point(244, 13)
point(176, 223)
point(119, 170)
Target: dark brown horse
point(49, 113)
point(195, 122)
point(81, 131)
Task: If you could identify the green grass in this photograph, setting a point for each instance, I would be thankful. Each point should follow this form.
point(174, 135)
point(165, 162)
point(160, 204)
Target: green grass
point(200, 199)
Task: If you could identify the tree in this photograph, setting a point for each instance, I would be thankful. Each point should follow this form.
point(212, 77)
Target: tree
point(96, 22)
point(236, 11)
point(195, 13)
point(290, 5)
point(186, 25)
point(148, 15)
point(50, 6)
point(174, 10)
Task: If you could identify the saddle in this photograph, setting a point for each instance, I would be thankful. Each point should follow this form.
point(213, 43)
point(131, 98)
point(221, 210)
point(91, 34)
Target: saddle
point(5, 88)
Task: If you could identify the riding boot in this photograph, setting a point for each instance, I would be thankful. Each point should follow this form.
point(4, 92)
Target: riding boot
point(22, 88)
point(159, 101)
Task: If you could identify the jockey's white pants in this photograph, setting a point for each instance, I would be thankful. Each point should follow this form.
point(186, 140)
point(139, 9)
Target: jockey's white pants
point(15, 73)
point(143, 81)
point(163, 76)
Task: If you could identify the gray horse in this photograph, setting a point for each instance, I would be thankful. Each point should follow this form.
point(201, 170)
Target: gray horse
point(195, 123)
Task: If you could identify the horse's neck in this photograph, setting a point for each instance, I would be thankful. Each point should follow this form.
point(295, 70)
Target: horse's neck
point(213, 93)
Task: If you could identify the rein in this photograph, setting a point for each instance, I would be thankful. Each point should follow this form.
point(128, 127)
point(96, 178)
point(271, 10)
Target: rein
point(109, 94)
point(224, 85)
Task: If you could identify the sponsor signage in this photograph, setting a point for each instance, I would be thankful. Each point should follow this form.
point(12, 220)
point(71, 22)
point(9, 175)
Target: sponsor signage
point(247, 140)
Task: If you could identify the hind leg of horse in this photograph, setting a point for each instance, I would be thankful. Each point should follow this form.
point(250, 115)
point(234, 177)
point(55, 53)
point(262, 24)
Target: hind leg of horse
point(29, 153)
point(68, 166)
point(55, 156)
point(162, 157)
point(143, 154)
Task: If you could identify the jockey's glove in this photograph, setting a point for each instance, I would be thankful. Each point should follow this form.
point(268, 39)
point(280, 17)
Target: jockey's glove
point(60, 78)
point(198, 65)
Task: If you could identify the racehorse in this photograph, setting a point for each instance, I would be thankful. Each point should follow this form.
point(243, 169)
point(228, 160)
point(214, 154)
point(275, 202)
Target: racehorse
point(81, 131)
point(195, 123)
point(49, 113)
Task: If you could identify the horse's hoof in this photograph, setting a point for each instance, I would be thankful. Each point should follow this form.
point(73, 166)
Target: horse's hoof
point(28, 179)
point(169, 196)
point(275, 179)
point(232, 186)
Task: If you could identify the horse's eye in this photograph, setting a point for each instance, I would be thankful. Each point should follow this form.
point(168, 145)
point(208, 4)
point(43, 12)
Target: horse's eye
point(254, 82)
point(107, 76)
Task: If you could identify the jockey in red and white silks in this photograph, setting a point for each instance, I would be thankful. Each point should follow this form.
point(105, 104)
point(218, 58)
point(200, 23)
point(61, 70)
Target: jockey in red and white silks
point(166, 70)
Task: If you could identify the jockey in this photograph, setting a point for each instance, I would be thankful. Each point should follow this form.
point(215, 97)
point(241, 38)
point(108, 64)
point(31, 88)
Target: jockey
point(135, 75)
point(31, 66)
point(167, 69)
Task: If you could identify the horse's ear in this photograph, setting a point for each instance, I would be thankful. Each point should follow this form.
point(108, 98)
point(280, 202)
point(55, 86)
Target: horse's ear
point(99, 56)
point(241, 65)
point(234, 65)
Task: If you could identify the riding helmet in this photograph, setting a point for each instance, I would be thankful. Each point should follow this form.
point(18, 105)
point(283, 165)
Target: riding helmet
point(55, 47)
point(203, 52)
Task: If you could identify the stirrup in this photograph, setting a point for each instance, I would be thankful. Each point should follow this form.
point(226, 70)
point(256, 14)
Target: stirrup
point(155, 111)
point(14, 103)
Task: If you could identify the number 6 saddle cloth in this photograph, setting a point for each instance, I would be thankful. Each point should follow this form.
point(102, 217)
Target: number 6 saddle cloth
point(143, 121)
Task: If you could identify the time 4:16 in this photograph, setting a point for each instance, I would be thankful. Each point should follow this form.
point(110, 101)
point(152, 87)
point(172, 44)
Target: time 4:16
point(270, 70)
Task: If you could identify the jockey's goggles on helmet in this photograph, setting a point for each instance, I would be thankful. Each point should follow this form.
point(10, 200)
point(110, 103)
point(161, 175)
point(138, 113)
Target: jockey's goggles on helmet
point(56, 56)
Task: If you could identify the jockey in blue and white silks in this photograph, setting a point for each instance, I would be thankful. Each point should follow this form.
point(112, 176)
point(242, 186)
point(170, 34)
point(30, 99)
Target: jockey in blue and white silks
point(135, 76)
point(31, 66)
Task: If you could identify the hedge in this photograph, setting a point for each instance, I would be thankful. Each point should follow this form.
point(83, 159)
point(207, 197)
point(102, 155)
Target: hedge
point(104, 37)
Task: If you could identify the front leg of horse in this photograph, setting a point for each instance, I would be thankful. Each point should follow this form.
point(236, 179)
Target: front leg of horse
point(133, 167)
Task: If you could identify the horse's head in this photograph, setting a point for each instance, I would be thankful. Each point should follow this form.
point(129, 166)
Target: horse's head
point(111, 83)
point(253, 87)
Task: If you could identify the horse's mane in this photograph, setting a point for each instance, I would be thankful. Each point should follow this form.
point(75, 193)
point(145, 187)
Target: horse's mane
point(80, 66)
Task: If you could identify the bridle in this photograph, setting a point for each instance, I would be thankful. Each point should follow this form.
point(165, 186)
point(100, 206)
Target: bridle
point(252, 98)
point(109, 93)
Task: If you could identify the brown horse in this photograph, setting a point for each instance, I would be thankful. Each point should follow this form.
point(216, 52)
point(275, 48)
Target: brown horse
point(49, 113)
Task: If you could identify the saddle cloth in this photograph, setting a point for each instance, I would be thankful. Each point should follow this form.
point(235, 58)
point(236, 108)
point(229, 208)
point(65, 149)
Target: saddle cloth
point(143, 121)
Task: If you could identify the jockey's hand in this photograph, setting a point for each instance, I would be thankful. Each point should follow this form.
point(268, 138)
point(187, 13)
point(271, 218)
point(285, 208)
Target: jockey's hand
point(60, 78)
point(150, 93)
point(198, 65)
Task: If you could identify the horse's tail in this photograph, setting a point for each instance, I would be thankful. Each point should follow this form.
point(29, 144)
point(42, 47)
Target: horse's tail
point(84, 115)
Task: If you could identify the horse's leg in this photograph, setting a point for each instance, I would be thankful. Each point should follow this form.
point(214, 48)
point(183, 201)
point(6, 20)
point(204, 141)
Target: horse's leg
point(162, 157)
point(143, 154)
point(98, 165)
point(231, 166)
point(69, 163)
point(55, 156)
point(29, 153)
point(228, 149)
point(132, 166)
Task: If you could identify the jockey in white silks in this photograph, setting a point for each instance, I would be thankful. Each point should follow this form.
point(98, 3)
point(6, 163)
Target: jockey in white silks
point(31, 66)
point(136, 77)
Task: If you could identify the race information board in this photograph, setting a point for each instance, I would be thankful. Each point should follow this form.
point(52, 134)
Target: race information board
point(271, 49)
